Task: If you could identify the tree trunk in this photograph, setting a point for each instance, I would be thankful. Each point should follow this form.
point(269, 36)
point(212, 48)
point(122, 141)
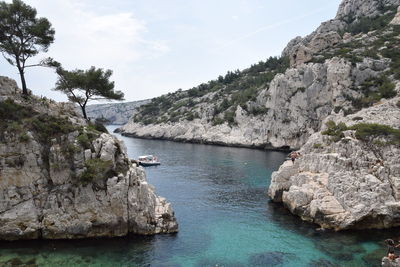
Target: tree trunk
point(22, 75)
point(84, 112)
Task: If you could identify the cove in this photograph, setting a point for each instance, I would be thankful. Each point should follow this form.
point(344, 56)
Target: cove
point(225, 219)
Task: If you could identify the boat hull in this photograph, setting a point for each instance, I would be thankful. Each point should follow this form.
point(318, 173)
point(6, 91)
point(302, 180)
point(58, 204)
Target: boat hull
point(149, 164)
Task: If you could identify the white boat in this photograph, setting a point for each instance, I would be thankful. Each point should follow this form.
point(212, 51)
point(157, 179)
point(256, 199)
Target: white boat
point(148, 160)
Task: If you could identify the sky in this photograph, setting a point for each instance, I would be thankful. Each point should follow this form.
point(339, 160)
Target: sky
point(156, 46)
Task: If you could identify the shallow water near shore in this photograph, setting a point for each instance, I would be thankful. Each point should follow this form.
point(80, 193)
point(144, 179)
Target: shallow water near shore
point(225, 219)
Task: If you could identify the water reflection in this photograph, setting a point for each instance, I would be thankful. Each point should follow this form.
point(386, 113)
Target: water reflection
point(226, 219)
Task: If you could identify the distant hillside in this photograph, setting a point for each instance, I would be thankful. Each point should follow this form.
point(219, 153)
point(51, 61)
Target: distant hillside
point(348, 63)
point(115, 113)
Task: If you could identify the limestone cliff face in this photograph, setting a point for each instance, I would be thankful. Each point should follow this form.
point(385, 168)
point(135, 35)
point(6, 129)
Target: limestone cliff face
point(327, 70)
point(347, 182)
point(116, 113)
point(297, 102)
point(73, 182)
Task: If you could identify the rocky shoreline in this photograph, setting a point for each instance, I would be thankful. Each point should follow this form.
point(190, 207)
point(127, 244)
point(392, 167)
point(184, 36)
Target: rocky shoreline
point(206, 142)
point(345, 182)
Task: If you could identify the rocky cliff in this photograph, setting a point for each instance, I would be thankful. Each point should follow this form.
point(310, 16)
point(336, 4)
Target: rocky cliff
point(60, 178)
point(115, 113)
point(333, 94)
point(280, 103)
point(349, 174)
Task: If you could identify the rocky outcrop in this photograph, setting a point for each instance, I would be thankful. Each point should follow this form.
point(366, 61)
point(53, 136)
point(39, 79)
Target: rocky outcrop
point(301, 50)
point(8, 88)
point(116, 113)
point(304, 51)
point(68, 180)
point(350, 183)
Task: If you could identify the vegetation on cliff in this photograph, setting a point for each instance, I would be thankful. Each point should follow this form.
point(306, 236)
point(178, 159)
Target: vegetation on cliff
point(368, 132)
point(17, 119)
point(237, 88)
point(23, 122)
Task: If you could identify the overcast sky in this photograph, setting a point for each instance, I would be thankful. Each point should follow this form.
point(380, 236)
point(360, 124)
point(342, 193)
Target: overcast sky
point(158, 46)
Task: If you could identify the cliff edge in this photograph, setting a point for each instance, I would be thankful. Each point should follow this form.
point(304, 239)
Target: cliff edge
point(61, 178)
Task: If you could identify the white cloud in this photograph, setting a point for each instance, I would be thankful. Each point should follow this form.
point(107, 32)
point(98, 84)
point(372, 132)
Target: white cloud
point(85, 38)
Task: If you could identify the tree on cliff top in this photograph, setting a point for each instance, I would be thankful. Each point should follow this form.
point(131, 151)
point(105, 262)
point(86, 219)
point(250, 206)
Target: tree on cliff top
point(81, 86)
point(23, 35)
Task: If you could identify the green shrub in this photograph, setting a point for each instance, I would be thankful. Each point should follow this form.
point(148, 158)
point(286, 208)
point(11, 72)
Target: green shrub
point(24, 138)
point(392, 51)
point(259, 111)
point(12, 116)
point(98, 125)
point(102, 120)
point(149, 121)
point(84, 140)
point(49, 127)
point(317, 146)
point(217, 121)
point(357, 118)
point(367, 24)
point(335, 131)
point(370, 131)
point(374, 89)
point(11, 111)
point(71, 149)
point(229, 116)
point(192, 115)
point(337, 109)
point(96, 169)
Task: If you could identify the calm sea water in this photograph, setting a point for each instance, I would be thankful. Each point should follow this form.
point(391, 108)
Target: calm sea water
point(225, 219)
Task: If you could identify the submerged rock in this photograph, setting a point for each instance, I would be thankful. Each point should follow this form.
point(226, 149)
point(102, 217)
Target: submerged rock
point(322, 263)
point(386, 262)
point(271, 258)
point(373, 258)
point(62, 179)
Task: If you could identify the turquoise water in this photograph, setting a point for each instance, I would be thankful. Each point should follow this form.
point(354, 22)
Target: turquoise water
point(225, 219)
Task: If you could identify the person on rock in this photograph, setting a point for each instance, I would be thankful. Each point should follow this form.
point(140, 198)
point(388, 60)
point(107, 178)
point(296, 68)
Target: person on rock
point(391, 249)
point(293, 156)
